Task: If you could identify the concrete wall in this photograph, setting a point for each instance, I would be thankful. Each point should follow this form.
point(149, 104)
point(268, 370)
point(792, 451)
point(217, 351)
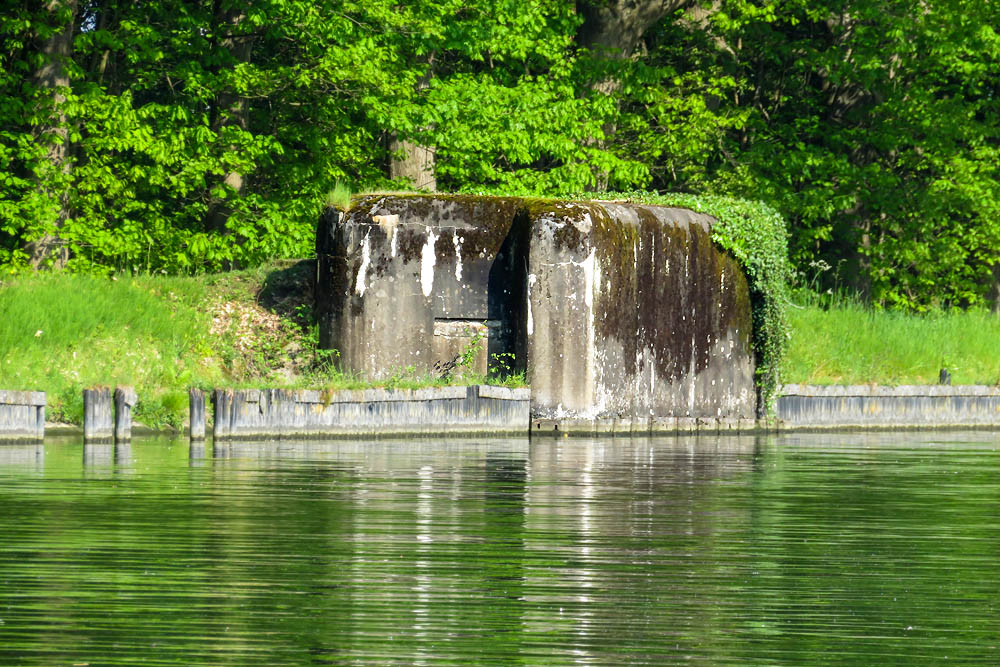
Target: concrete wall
point(248, 414)
point(22, 416)
point(870, 406)
point(401, 279)
point(633, 313)
point(615, 311)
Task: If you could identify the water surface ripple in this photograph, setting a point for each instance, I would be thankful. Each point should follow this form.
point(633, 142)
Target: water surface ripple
point(835, 548)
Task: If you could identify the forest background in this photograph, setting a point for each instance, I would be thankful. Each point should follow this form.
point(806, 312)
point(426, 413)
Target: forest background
point(183, 137)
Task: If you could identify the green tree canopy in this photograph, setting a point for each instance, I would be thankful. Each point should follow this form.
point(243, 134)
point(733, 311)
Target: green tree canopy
point(184, 136)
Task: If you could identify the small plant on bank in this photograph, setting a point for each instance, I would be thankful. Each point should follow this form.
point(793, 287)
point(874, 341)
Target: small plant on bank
point(502, 371)
point(339, 197)
point(467, 359)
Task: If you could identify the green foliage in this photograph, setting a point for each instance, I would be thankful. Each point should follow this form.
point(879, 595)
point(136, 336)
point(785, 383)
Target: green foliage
point(207, 135)
point(62, 333)
point(467, 359)
point(502, 371)
point(874, 129)
point(245, 329)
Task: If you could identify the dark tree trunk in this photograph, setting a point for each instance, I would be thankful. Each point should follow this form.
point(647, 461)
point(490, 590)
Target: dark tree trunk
point(611, 30)
point(52, 78)
point(230, 110)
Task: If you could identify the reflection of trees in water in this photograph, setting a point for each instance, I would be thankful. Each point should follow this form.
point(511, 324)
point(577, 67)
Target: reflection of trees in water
point(787, 549)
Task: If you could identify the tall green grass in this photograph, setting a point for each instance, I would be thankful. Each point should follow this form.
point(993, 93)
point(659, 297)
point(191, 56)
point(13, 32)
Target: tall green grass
point(841, 341)
point(60, 333)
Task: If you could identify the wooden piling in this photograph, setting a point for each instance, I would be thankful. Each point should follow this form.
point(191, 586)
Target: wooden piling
point(196, 402)
point(125, 400)
point(22, 416)
point(222, 404)
point(97, 415)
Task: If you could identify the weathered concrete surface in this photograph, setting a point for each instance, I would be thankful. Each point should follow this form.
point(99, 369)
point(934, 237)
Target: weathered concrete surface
point(634, 314)
point(402, 278)
point(98, 415)
point(660, 426)
point(872, 406)
point(249, 414)
point(620, 312)
point(22, 416)
point(196, 414)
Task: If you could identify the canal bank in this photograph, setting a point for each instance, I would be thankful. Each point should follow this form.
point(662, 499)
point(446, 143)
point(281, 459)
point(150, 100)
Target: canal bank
point(279, 414)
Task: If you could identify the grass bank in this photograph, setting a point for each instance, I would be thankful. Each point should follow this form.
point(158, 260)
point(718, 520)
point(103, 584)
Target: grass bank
point(60, 333)
point(837, 340)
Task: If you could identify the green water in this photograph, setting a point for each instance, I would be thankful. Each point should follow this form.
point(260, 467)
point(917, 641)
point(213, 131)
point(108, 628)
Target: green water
point(777, 550)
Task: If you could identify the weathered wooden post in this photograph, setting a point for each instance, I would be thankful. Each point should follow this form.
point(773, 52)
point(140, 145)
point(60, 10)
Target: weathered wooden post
point(22, 416)
point(97, 414)
point(222, 404)
point(125, 399)
point(196, 404)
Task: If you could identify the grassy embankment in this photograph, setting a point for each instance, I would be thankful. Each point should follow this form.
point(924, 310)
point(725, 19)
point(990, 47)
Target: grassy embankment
point(61, 333)
point(162, 334)
point(840, 341)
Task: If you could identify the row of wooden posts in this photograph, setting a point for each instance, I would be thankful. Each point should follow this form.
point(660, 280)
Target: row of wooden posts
point(108, 416)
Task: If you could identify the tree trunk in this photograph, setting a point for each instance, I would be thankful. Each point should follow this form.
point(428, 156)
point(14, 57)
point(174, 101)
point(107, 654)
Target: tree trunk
point(53, 78)
point(611, 30)
point(408, 160)
point(230, 109)
point(416, 164)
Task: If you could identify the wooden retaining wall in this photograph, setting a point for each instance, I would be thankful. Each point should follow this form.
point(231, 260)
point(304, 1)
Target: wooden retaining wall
point(248, 414)
point(873, 406)
point(22, 416)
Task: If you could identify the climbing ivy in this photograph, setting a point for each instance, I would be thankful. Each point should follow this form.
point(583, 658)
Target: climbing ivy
point(755, 234)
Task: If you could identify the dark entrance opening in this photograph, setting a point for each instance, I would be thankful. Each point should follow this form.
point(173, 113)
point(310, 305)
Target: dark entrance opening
point(507, 302)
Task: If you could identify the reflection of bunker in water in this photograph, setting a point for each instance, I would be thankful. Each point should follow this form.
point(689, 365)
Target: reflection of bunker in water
point(613, 310)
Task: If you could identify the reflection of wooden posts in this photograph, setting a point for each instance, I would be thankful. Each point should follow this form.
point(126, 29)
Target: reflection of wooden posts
point(196, 402)
point(97, 414)
point(125, 399)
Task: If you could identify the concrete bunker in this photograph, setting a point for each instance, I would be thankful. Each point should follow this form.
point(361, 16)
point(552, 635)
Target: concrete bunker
point(418, 283)
point(615, 311)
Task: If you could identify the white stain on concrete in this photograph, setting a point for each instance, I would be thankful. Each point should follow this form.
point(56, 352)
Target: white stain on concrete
point(428, 260)
point(588, 298)
point(457, 241)
point(691, 376)
point(532, 279)
point(392, 243)
point(366, 258)
point(588, 278)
